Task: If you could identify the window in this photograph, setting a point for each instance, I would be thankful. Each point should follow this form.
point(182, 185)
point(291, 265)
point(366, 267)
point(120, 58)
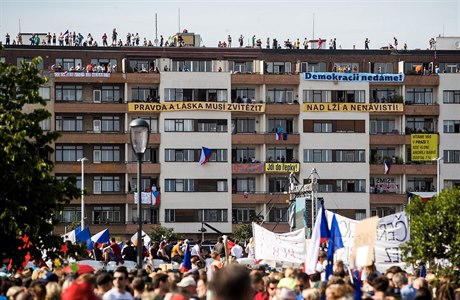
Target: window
point(243, 125)
point(348, 126)
point(69, 123)
point(73, 93)
point(287, 124)
point(196, 185)
point(70, 215)
point(382, 126)
point(452, 156)
point(212, 125)
point(278, 215)
point(181, 155)
point(317, 96)
point(28, 60)
point(242, 155)
point(141, 65)
point(106, 214)
point(243, 215)
point(179, 185)
point(192, 66)
point(322, 127)
point(317, 155)
point(350, 155)
point(419, 124)
point(150, 215)
point(146, 183)
point(46, 124)
point(278, 184)
point(174, 95)
point(212, 215)
point(451, 126)
point(312, 67)
point(360, 215)
point(62, 178)
point(451, 97)
point(106, 184)
point(178, 125)
point(153, 122)
point(68, 64)
point(144, 94)
point(245, 184)
point(449, 67)
point(241, 67)
point(150, 155)
point(45, 92)
point(108, 123)
point(280, 154)
point(241, 93)
point(379, 155)
point(218, 155)
point(110, 93)
point(351, 185)
point(104, 62)
point(420, 184)
point(348, 96)
point(382, 211)
point(278, 67)
point(382, 95)
point(280, 95)
point(382, 68)
point(107, 153)
point(346, 67)
point(68, 152)
point(419, 96)
point(170, 215)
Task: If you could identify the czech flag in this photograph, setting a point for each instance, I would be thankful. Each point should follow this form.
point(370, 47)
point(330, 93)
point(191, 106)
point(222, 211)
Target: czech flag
point(387, 166)
point(187, 263)
point(156, 198)
point(321, 233)
point(205, 155)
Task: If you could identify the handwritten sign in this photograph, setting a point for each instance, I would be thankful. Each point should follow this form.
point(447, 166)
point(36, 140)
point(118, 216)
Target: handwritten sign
point(282, 247)
point(146, 198)
point(363, 249)
point(248, 168)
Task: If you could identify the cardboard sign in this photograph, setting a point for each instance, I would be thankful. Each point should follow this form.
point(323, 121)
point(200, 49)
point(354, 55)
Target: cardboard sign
point(363, 247)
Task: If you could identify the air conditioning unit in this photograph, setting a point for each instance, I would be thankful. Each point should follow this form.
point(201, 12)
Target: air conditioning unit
point(97, 96)
point(97, 126)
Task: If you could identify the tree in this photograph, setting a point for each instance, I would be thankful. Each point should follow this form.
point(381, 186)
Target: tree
point(434, 229)
point(30, 195)
point(242, 232)
point(160, 233)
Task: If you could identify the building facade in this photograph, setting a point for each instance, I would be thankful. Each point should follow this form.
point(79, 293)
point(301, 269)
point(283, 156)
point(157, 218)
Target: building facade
point(264, 113)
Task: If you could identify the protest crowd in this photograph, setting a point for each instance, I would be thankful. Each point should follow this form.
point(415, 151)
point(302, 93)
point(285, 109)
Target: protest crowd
point(226, 271)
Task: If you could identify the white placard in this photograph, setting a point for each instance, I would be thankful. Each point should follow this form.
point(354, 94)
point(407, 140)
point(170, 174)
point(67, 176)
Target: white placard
point(146, 198)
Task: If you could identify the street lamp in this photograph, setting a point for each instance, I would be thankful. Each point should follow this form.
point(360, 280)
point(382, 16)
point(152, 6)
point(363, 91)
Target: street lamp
point(82, 223)
point(438, 173)
point(139, 130)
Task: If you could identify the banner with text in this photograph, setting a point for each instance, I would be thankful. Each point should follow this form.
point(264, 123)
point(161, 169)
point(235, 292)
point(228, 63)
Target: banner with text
point(424, 147)
point(286, 247)
point(146, 198)
point(192, 106)
point(282, 167)
point(353, 77)
point(353, 107)
point(392, 231)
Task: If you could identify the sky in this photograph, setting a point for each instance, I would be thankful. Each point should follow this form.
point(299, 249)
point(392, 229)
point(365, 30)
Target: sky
point(349, 21)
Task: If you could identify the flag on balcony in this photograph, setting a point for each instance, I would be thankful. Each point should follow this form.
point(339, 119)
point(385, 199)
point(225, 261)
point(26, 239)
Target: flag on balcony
point(387, 166)
point(278, 136)
point(285, 135)
point(279, 133)
point(205, 155)
point(156, 198)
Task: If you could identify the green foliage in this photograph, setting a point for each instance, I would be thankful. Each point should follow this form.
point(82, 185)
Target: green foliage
point(29, 195)
point(242, 232)
point(435, 229)
point(160, 233)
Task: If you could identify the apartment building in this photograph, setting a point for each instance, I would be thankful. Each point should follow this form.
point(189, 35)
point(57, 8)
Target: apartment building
point(264, 113)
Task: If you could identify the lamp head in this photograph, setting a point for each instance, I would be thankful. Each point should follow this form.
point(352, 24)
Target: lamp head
point(139, 130)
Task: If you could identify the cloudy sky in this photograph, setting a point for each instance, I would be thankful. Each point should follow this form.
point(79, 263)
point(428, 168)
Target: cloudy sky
point(349, 21)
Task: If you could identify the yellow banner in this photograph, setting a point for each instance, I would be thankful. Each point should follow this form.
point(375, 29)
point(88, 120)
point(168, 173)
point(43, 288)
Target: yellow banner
point(424, 146)
point(180, 106)
point(282, 167)
point(353, 107)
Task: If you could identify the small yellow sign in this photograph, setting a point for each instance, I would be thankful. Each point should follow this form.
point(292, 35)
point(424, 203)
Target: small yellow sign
point(192, 106)
point(353, 107)
point(282, 167)
point(424, 147)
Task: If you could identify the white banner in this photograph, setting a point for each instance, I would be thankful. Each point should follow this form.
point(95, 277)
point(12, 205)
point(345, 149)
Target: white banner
point(392, 231)
point(287, 247)
point(146, 198)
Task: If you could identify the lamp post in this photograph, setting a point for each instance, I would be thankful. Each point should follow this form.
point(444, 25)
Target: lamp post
point(82, 223)
point(438, 173)
point(139, 131)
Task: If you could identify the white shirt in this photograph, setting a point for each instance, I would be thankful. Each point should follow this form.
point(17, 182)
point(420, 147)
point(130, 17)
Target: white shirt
point(237, 251)
point(114, 294)
point(195, 250)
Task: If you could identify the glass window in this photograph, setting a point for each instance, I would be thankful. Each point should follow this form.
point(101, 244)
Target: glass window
point(45, 92)
point(68, 64)
point(246, 184)
point(452, 156)
point(71, 93)
point(451, 126)
point(419, 96)
point(107, 183)
point(383, 126)
point(69, 153)
point(69, 123)
point(451, 97)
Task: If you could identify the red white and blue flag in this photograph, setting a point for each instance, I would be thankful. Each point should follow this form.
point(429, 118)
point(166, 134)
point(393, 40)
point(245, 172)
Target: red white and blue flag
point(187, 263)
point(320, 234)
point(156, 198)
point(205, 155)
point(387, 166)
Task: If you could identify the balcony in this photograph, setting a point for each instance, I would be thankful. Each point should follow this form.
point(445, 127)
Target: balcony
point(387, 139)
point(143, 78)
point(90, 168)
point(282, 109)
point(99, 199)
point(147, 168)
point(419, 80)
point(260, 198)
point(291, 139)
point(89, 107)
point(93, 138)
point(81, 77)
point(388, 198)
point(408, 169)
point(264, 138)
point(272, 79)
point(421, 110)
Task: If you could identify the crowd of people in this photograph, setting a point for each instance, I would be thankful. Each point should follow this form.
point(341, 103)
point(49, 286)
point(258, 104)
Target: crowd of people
point(223, 278)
